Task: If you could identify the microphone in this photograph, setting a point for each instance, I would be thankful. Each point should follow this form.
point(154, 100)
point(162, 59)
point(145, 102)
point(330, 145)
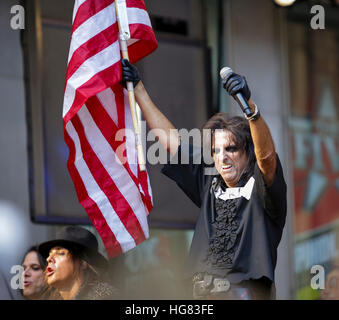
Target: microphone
point(224, 72)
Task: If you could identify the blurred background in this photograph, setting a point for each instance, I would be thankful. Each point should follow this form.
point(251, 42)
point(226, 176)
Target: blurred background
point(293, 71)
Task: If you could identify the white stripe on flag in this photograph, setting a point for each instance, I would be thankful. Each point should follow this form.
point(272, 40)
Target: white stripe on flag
point(91, 27)
point(115, 169)
point(101, 21)
point(140, 16)
point(97, 195)
point(101, 61)
point(149, 188)
point(107, 99)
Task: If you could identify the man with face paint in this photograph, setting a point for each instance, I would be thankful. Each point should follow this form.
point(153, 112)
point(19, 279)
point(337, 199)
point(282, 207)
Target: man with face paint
point(242, 201)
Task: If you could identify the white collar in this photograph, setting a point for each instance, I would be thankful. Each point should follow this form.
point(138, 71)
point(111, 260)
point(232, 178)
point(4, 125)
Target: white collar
point(233, 193)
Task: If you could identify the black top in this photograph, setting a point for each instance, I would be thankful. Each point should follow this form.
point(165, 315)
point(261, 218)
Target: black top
point(235, 238)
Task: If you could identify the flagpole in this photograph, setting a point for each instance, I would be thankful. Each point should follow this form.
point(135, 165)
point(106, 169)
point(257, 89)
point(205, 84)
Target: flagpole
point(124, 35)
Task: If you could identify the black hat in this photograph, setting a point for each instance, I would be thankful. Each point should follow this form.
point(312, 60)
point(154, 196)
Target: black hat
point(79, 239)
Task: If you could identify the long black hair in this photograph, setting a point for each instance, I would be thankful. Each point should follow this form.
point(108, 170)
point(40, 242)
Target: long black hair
point(42, 261)
point(240, 129)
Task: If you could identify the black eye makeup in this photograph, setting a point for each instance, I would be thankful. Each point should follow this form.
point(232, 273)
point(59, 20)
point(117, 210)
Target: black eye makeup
point(232, 149)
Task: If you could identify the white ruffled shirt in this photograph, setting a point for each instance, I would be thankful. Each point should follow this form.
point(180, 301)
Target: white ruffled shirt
point(233, 193)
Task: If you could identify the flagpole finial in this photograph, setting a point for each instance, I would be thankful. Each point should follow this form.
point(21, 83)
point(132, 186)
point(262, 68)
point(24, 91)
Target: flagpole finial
point(122, 18)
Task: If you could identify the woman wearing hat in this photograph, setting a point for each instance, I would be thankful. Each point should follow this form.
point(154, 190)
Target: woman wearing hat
point(74, 264)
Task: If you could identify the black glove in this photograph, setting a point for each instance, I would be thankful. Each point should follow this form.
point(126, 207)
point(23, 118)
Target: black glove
point(235, 83)
point(129, 73)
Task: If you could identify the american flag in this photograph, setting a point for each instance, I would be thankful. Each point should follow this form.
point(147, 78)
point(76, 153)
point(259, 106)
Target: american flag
point(98, 126)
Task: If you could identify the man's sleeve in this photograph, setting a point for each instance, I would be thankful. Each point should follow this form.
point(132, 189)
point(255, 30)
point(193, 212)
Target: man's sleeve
point(273, 197)
point(185, 168)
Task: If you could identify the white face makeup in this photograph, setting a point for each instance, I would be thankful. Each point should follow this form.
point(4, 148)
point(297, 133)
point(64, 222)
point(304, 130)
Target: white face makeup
point(230, 160)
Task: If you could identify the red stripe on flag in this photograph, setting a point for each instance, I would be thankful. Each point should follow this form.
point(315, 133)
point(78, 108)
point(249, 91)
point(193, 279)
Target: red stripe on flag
point(120, 103)
point(99, 82)
point(142, 176)
point(112, 246)
point(141, 49)
point(136, 4)
point(108, 186)
point(91, 47)
point(109, 130)
point(87, 10)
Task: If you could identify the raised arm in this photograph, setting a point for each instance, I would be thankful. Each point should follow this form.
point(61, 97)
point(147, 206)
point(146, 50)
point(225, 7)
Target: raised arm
point(162, 128)
point(261, 135)
point(263, 147)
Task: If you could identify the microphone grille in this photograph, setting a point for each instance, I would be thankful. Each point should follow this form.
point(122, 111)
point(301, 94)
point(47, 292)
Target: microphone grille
point(224, 72)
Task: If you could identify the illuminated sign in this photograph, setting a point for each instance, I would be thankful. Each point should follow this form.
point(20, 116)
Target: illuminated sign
point(316, 165)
